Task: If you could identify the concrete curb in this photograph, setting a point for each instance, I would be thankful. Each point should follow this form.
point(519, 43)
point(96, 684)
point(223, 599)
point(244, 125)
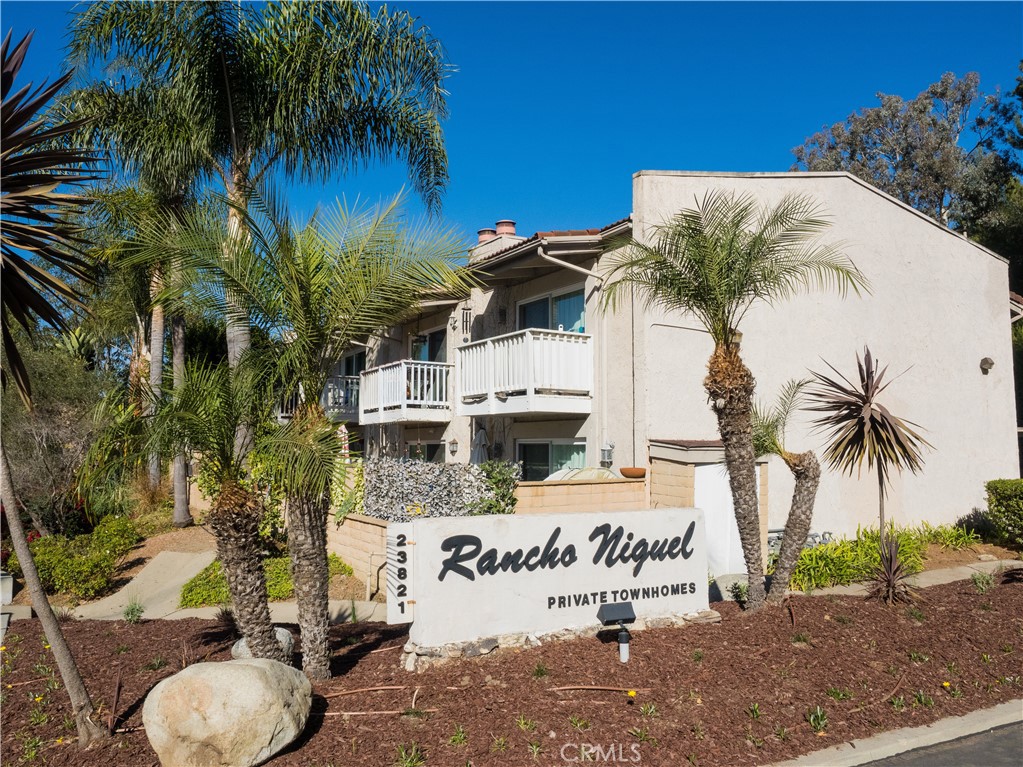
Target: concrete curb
point(888, 744)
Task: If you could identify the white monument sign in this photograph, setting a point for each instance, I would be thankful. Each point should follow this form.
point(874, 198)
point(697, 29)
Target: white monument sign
point(463, 578)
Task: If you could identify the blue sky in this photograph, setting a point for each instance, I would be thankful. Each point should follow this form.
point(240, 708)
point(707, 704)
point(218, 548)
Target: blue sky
point(555, 105)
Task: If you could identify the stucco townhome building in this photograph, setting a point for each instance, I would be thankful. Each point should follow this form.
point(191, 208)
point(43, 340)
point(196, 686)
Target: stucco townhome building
point(531, 367)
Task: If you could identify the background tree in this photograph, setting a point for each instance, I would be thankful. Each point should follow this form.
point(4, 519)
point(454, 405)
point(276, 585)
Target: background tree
point(859, 428)
point(30, 173)
point(769, 425)
point(715, 261)
point(47, 444)
point(947, 152)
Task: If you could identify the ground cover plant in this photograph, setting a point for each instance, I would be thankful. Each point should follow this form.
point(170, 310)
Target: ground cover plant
point(845, 561)
point(877, 670)
point(209, 587)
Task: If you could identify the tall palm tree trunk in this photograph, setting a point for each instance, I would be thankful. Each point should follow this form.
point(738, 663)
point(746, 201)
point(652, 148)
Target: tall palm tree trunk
point(156, 329)
point(81, 703)
point(730, 386)
point(239, 335)
point(307, 545)
point(182, 517)
point(806, 470)
point(235, 522)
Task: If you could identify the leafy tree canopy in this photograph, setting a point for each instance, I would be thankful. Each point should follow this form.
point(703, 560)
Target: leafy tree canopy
point(951, 152)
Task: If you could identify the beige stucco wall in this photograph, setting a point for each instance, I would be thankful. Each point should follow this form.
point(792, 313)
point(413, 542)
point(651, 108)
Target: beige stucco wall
point(357, 539)
point(938, 305)
point(672, 484)
point(581, 496)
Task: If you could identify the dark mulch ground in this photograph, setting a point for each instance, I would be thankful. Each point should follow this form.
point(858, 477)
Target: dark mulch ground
point(702, 680)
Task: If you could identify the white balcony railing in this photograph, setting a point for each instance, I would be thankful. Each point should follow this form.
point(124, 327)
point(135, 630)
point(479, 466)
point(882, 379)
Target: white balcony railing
point(340, 398)
point(408, 391)
point(548, 371)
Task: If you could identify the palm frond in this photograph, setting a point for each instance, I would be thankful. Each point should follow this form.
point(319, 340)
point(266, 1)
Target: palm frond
point(771, 421)
point(719, 258)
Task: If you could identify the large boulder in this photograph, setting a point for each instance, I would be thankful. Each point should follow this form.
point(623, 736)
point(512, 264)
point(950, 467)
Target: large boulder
point(240, 649)
point(237, 713)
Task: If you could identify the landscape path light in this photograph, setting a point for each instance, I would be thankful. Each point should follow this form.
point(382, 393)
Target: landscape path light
point(620, 613)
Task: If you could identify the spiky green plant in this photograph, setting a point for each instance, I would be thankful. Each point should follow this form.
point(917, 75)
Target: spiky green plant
point(860, 429)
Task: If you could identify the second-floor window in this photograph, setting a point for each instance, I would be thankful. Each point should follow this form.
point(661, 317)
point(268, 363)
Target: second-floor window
point(557, 310)
point(354, 364)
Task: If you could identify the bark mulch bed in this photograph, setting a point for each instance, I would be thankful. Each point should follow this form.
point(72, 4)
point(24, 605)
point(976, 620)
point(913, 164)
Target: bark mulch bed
point(735, 693)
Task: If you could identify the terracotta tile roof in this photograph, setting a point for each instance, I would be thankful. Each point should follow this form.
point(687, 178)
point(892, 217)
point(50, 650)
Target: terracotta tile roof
point(552, 233)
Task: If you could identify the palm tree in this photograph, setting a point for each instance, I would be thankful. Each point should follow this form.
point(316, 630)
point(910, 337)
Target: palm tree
point(859, 428)
point(31, 170)
point(201, 418)
point(769, 425)
point(303, 88)
point(715, 261)
point(338, 279)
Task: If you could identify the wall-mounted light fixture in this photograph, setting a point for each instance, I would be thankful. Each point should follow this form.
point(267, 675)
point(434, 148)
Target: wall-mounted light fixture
point(453, 322)
point(607, 454)
point(986, 364)
point(453, 446)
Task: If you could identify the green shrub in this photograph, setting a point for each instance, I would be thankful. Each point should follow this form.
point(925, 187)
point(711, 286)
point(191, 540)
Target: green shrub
point(848, 560)
point(82, 567)
point(115, 535)
point(347, 490)
point(209, 587)
point(502, 477)
point(956, 537)
point(1005, 509)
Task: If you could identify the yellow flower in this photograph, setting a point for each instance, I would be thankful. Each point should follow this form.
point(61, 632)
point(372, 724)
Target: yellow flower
point(39, 698)
point(632, 693)
point(60, 741)
point(46, 646)
point(3, 647)
point(946, 685)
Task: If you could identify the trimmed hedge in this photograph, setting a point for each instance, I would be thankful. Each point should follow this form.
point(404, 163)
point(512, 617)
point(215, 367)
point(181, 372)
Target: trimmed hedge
point(209, 587)
point(1005, 509)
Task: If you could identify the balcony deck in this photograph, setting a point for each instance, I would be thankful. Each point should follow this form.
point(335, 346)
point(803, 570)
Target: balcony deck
point(531, 371)
point(408, 391)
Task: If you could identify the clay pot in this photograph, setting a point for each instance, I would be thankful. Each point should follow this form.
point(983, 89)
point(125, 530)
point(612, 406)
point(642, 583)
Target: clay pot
point(633, 472)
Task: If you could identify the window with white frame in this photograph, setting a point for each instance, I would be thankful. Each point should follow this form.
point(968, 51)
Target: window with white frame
point(565, 310)
point(352, 364)
point(541, 458)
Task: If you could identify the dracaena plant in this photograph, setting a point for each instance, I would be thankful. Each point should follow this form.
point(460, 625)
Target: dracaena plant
point(860, 429)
